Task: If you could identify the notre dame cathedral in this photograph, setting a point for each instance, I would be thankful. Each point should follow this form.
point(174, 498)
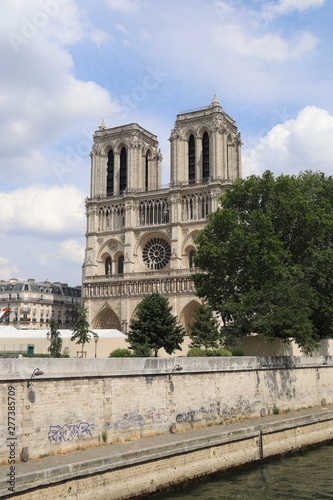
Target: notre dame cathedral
point(141, 238)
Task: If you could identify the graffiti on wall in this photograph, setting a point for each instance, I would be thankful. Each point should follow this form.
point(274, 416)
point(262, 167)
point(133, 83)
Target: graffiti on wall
point(135, 419)
point(163, 417)
point(209, 413)
point(215, 412)
point(242, 408)
point(69, 432)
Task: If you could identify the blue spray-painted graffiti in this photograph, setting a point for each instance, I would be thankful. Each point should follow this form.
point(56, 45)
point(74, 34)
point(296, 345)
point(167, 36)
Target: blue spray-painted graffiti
point(68, 432)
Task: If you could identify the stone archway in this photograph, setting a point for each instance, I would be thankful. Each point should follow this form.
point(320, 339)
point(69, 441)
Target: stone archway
point(186, 316)
point(106, 319)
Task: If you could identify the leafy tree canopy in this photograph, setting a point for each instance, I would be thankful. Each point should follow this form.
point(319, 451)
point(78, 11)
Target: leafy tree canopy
point(266, 258)
point(204, 328)
point(154, 327)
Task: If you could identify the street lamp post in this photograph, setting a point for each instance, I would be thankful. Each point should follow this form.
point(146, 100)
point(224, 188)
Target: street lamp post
point(96, 338)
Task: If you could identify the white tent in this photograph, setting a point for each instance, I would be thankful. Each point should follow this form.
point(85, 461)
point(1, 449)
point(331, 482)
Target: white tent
point(36, 341)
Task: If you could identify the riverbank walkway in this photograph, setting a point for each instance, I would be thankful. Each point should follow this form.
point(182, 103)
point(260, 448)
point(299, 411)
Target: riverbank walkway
point(63, 467)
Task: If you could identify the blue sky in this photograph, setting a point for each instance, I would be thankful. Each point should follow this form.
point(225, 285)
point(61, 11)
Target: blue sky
point(68, 64)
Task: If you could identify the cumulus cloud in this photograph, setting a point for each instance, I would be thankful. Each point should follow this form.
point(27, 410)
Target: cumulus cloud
point(7, 269)
point(66, 255)
point(282, 7)
point(269, 46)
point(100, 37)
point(49, 211)
point(71, 251)
point(127, 6)
point(40, 97)
point(303, 143)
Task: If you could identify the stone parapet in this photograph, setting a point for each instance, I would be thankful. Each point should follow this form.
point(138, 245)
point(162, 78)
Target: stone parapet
point(126, 470)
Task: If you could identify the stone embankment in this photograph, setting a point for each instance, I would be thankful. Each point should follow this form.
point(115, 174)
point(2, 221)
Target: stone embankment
point(139, 468)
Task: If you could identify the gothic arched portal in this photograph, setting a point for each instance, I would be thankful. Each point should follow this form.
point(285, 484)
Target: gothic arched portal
point(186, 316)
point(106, 319)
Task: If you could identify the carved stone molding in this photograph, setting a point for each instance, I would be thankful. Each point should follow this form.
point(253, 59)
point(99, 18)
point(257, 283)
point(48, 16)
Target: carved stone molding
point(138, 287)
point(113, 247)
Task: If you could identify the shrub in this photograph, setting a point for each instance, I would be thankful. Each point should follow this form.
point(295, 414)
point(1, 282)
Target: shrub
point(196, 352)
point(218, 352)
point(237, 351)
point(120, 353)
point(141, 351)
point(35, 355)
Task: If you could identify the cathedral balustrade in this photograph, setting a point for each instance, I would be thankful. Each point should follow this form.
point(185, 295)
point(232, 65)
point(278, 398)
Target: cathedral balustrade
point(131, 287)
point(154, 208)
point(148, 274)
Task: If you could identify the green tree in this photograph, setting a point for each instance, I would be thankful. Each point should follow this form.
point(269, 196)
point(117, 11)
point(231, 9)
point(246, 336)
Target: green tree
point(266, 258)
point(204, 328)
point(81, 332)
point(55, 340)
point(154, 328)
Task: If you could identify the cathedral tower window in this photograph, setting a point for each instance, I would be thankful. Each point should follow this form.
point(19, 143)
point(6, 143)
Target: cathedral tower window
point(191, 160)
point(147, 172)
point(191, 258)
point(205, 156)
point(123, 170)
point(121, 264)
point(108, 266)
point(229, 156)
point(110, 174)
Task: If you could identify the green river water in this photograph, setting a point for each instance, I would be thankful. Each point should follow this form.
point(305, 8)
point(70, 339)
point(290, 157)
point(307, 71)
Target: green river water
point(303, 475)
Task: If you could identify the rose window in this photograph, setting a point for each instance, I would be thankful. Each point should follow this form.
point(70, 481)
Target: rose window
point(156, 253)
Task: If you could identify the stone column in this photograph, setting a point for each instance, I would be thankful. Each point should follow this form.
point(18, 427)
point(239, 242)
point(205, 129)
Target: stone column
point(116, 172)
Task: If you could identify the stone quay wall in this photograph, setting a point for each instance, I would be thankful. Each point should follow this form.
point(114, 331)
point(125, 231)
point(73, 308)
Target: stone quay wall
point(78, 403)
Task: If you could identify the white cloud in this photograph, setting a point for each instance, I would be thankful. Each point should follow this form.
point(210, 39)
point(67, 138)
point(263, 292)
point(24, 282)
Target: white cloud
point(7, 269)
point(68, 254)
point(40, 98)
point(59, 20)
point(304, 143)
point(49, 211)
point(283, 7)
point(71, 251)
point(100, 37)
point(270, 47)
point(122, 29)
point(128, 6)
point(223, 9)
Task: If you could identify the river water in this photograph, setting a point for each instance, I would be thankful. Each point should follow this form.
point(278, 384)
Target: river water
point(303, 475)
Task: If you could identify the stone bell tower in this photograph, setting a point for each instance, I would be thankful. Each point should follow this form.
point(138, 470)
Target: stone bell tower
point(141, 238)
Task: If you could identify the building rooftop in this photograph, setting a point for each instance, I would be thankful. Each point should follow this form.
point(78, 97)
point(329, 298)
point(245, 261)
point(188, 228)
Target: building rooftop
point(30, 285)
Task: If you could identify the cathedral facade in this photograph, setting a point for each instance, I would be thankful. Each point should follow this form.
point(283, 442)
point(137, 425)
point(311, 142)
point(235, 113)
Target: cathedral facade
point(141, 238)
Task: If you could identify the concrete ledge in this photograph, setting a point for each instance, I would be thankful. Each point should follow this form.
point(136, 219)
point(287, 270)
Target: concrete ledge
point(120, 456)
point(21, 369)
